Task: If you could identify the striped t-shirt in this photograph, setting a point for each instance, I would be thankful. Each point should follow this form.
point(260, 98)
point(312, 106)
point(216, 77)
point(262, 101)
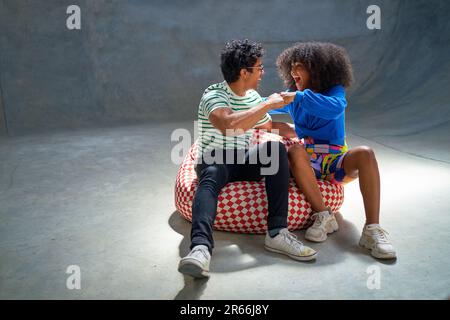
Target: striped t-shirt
point(221, 96)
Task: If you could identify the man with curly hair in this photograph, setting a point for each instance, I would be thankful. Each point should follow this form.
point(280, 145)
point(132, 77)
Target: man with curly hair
point(317, 74)
point(226, 115)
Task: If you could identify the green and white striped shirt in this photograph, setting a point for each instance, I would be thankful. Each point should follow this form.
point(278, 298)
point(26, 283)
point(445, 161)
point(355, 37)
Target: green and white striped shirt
point(221, 96)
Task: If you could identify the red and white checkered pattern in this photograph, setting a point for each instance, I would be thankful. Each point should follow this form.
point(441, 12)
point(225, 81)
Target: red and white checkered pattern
point(242, 205)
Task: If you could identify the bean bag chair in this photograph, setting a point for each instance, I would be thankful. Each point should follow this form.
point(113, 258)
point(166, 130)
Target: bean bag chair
point(242, 205)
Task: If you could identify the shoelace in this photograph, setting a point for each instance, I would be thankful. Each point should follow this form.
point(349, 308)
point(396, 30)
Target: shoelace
point(292, 239)
point(380, 234)
point(318, 219)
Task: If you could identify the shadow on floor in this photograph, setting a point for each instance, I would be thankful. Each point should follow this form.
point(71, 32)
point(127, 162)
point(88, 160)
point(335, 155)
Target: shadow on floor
point(236, 252)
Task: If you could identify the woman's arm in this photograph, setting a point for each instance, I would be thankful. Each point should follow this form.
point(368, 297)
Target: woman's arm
point(284, 129)
point(288, 98)
point(324, 106)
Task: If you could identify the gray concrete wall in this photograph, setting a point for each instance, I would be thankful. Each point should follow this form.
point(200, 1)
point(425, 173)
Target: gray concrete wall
point(147, 60)
point(3, 130)
point(151, 60)
point(405, 101)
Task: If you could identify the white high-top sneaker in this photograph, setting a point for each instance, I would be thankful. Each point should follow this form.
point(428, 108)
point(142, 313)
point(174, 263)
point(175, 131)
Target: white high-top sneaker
point(287, 243)
point(196, 263)
point(324, 223)
point(375, 239)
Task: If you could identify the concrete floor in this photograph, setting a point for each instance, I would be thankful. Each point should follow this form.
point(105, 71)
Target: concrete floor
point(103, 200)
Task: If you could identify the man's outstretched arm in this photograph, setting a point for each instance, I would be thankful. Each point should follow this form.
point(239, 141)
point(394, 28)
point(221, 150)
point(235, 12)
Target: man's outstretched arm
point(235, 123)
point(266, 126)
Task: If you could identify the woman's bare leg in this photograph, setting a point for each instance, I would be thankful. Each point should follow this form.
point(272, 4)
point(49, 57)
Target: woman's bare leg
point(305, 178)
point(361, 162)
point(301, 168)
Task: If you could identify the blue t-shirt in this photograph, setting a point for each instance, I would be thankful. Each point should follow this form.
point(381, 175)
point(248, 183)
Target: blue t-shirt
point(320, 116)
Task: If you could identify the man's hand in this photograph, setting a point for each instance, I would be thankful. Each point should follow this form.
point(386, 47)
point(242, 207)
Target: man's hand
point(224, 118)
point(288, 97)
point(275, 101)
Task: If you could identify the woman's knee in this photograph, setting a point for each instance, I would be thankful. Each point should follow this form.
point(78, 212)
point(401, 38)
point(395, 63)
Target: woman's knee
point(365, 156)
point(365, 153)
point(298, 153)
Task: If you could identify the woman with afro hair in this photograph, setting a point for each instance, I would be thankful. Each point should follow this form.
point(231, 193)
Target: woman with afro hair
point(317, 75)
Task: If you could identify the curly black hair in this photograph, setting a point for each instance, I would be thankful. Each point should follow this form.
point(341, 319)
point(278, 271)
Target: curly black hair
point(237, 55)
point(327, 64)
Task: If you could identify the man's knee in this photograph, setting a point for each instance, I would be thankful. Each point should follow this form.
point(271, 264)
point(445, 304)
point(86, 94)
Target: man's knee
point(275, 148)
point(215, 174)
point(274, 158)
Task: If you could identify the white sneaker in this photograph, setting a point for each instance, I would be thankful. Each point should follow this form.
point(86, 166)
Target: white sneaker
point(196, 263)
point(374, 238)
point(324, 223)
point(287, 243)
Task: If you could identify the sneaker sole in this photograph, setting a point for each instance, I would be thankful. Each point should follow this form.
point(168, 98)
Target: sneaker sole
point(377, 254)
point(333, 228)
point(298, 258)
point(312, 239)
point(191, 269)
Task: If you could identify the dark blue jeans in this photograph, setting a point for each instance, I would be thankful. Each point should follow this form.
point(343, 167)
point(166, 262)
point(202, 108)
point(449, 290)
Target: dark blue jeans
point(214, 176)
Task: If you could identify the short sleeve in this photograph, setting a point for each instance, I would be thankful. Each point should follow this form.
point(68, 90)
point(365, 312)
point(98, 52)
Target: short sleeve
point(213, 100)
point(266, 118)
